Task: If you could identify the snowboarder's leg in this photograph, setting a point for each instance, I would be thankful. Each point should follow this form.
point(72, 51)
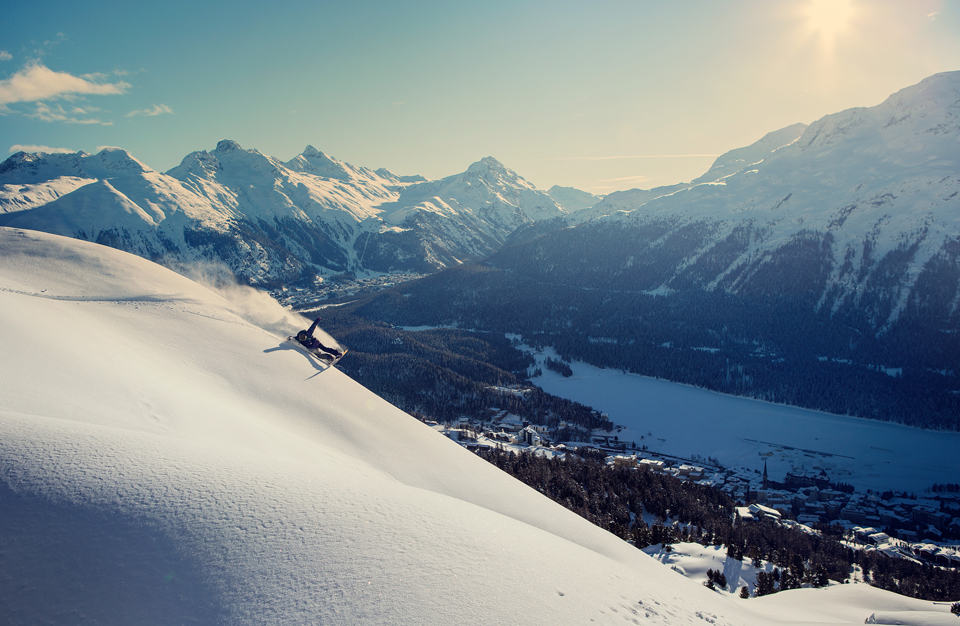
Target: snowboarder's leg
point(331, 351)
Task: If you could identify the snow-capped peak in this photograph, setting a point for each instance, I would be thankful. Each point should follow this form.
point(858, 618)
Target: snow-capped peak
point(487, 163)
point(35, 167)
point(312, 153)
point(227, 145)
point(315, 162)
point(113, 161)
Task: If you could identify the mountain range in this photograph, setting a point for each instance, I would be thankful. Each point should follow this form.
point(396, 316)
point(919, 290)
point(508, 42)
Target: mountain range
point(268, 221)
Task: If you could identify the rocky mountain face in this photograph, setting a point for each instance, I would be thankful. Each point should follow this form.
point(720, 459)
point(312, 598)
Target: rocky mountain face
point(270, 222)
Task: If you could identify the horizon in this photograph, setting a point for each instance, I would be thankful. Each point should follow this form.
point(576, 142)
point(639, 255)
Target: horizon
point(560, 94)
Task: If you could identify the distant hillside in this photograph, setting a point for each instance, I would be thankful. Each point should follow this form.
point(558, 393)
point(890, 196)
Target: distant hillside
point(573, 199)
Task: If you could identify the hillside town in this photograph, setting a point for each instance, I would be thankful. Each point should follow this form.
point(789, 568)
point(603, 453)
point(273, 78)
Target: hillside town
point(922, 528)
point(344, 285)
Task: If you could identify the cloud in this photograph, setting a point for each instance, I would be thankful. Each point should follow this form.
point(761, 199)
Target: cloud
point(70, 115)
point(29, 148)
point(645, 156)
point(5, 56)
point(157, 109)
point(626, 156)
point(36, 83)
point(611, 180)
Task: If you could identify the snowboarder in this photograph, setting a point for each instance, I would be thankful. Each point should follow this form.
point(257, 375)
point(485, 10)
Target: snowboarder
point(308, 341)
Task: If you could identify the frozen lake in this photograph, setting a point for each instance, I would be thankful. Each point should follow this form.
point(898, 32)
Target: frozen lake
point(680, 420)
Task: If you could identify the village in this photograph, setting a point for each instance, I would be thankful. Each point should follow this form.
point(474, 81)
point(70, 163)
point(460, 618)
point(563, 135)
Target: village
point(924, 529)
point(338, 286)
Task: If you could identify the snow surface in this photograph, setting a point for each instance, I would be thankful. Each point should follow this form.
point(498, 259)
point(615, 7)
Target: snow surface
point(684, 421)
point(166, 458)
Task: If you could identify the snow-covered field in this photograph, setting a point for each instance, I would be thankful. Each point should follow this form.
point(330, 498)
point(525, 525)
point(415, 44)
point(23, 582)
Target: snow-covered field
point(739, 432)
point(166, 458)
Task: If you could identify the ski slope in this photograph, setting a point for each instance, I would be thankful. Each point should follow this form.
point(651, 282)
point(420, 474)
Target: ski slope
point(166, 458)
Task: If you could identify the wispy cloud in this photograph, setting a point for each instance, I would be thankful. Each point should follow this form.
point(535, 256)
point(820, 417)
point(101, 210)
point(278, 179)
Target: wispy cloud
point(612, 180)
point(624, 156)
point(31, 148)
point(38, 83)
point(157, 109)
point(70, 115)
point(934, 15)
point(5, 56)
point(50, 44)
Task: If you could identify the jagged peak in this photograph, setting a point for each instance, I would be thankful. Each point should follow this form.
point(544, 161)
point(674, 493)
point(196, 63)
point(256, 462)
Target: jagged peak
point(487, 163)
point(312, 153)
point(227, 145)
point(118, 159)
point(386, 174)
point(318, 163)
point(196, 162)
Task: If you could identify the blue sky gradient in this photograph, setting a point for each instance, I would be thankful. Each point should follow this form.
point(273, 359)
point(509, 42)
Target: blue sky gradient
point(601, 96)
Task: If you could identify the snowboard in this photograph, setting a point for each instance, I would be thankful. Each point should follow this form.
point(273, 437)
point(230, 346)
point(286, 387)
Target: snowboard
point(319, 355)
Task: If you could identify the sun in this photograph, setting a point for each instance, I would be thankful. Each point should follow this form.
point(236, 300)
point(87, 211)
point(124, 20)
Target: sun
point(829, 20)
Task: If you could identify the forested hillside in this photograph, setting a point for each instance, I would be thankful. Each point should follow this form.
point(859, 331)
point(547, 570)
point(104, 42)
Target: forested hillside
point(773, 350)
point(444, 374)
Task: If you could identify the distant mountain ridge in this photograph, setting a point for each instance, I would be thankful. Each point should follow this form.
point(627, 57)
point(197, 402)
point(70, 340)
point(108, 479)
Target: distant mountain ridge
point(573, 199)
point(269, 221)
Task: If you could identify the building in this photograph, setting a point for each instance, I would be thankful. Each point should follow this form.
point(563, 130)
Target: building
point(758, 512)
point(651, 464)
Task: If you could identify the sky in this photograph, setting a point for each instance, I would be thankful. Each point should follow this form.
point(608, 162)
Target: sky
point(601, 96)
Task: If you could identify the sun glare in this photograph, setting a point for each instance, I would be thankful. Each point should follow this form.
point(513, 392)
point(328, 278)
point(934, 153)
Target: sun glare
point(829, 20)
